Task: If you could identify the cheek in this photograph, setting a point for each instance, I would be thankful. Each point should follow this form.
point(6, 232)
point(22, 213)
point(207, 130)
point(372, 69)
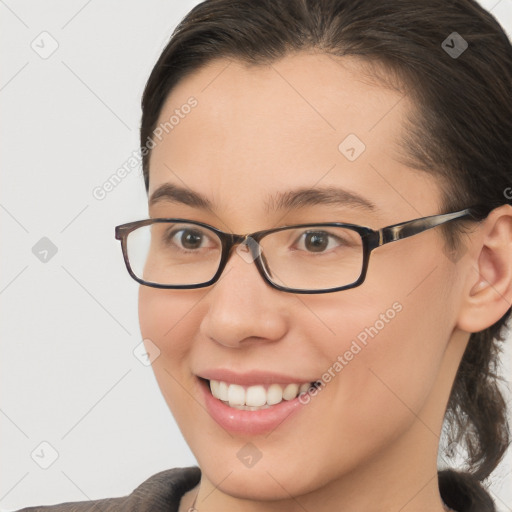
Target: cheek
point(385, 348)
point(166, 320)
point(391, 354)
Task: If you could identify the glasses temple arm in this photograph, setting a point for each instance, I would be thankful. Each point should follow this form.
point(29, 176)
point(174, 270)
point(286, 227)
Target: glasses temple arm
point(413, 227)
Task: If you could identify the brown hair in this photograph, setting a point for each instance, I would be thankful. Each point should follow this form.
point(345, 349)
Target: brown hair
point(461, 131)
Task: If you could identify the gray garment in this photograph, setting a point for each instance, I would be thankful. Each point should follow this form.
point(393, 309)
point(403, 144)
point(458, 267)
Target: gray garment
point(161, 492)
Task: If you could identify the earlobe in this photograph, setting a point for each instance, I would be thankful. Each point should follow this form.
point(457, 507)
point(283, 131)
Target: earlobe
point(489, 273)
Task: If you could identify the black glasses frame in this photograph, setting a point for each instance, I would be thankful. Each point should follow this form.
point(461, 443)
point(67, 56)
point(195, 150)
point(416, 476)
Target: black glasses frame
point(371, 239)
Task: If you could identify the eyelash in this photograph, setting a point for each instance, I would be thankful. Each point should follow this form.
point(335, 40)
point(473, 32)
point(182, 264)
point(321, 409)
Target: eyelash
point(170, 239)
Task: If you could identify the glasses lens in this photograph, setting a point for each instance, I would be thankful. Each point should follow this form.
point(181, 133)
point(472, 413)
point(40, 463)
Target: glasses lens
point(313, 258)
point(175, 254)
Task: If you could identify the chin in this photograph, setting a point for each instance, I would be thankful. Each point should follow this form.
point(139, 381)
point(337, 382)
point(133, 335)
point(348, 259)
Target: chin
point(272, 481)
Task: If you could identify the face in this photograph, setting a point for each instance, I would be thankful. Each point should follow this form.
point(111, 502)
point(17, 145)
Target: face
point(379, 350)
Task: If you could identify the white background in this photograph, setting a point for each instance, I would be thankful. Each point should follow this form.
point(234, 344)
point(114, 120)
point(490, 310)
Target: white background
point(69, 326)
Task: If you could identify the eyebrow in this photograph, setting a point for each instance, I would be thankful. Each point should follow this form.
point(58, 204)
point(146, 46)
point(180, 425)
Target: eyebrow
point(174, 194)
point(290, 200)
point(303, 197)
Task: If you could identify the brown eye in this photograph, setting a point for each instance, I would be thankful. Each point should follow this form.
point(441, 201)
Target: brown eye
point(189, 239)
point(316, 242)
point(319, 242)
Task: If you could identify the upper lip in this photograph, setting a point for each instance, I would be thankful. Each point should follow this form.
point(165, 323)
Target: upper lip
point(250, 378)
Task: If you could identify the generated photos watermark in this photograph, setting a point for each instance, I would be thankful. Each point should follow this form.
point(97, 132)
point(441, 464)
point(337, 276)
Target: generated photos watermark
point(357, 345)
point(134, 161)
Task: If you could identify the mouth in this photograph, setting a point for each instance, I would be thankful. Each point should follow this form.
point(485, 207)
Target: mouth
point(256, 397)
point(254, 402)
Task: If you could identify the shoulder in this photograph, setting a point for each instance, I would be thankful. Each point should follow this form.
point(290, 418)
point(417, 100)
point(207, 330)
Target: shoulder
point(160, 492)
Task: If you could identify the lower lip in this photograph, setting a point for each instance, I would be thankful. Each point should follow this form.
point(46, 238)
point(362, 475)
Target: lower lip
point(248, 422)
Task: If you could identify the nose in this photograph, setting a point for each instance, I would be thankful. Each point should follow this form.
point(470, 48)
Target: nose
point(243, 308)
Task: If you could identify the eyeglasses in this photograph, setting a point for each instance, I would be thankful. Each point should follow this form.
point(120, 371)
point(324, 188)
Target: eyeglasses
point(304, 258)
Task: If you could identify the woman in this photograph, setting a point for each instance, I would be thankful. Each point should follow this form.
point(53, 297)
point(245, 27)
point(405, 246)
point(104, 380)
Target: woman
point(304, 373)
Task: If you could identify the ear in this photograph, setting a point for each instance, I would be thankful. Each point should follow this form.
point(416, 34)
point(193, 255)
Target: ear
point(488, 289)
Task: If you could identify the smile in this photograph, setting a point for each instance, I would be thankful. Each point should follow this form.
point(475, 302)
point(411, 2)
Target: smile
point(254, 398)
point(254, 402)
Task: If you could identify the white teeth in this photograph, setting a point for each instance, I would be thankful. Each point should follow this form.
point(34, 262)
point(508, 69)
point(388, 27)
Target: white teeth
point(223, 391)
point(290, 391)
point(304, 388)
point(214, 387)
point(255, 397)
point(274, 394)
point(236, 395)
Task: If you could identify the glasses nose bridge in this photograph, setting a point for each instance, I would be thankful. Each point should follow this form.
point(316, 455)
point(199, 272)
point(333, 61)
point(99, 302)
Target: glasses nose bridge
point(247, 239)
point(253, 254)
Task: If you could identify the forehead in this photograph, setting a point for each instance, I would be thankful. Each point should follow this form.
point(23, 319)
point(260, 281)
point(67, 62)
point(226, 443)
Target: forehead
point(305, 120)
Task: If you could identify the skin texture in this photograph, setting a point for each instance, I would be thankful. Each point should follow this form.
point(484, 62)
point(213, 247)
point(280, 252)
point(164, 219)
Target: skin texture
point(367, 442)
